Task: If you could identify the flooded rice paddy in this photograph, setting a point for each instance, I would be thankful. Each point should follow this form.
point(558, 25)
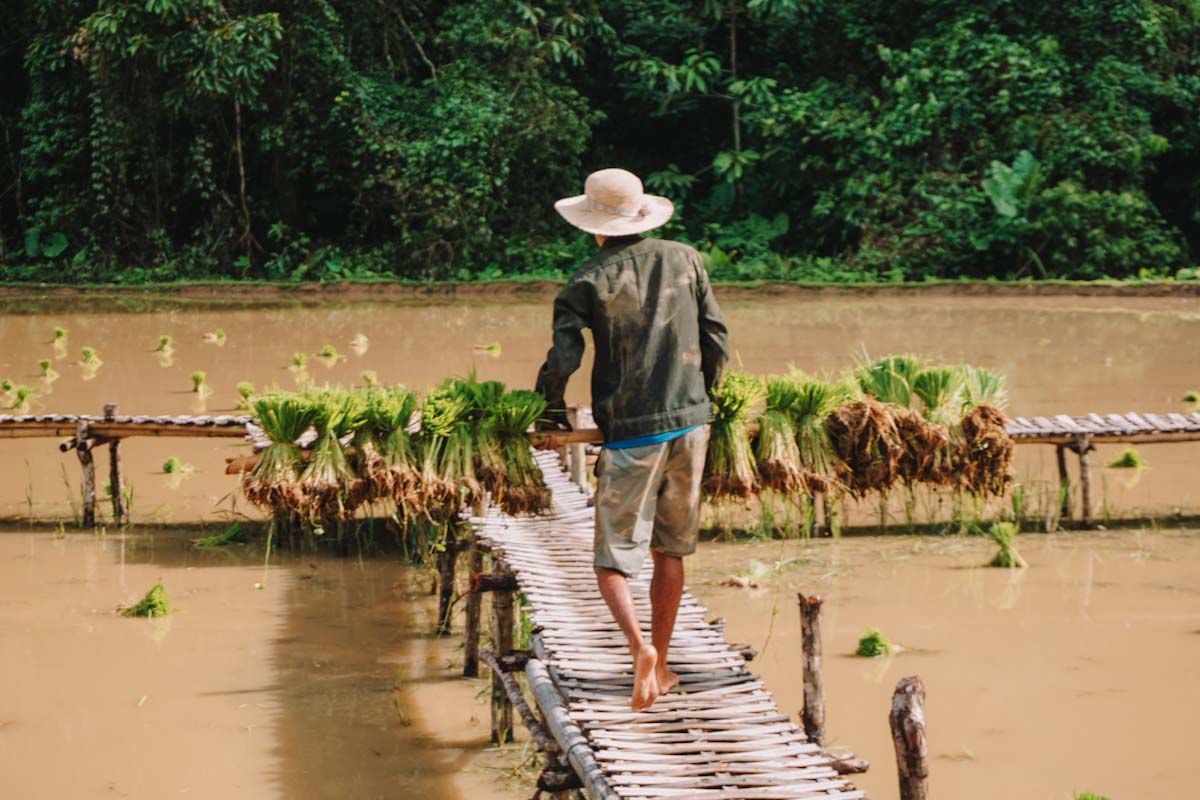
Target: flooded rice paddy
point(1077, 674)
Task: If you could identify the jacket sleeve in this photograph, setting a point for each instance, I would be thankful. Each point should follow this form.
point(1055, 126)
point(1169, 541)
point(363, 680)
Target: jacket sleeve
point(572, 313)
point(714, 348)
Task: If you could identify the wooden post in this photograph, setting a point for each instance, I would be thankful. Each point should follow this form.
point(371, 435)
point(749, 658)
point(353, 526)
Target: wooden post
point(502, 643)
point(1083, 445)
point(447, 560)
point(115, 485)
point(1064, 481)
point(84, 452)
point(578, 464)
point(820, 525)
point(813, 713)
point(474, 605)
point(907, 719)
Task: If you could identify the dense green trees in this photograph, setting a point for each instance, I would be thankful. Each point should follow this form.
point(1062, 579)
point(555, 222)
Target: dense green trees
point(316, 139)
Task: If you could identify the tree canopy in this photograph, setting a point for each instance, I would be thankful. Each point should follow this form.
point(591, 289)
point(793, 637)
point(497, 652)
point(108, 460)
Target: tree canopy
point(800, 139)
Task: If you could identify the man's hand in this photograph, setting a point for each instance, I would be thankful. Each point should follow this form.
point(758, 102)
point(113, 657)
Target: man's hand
point(548, 440)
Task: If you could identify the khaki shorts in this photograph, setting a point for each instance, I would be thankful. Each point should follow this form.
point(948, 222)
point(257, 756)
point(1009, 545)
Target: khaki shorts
point(649, 498)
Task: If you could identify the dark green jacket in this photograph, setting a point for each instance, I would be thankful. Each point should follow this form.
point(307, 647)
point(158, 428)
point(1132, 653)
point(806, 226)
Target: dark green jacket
point(659, 336)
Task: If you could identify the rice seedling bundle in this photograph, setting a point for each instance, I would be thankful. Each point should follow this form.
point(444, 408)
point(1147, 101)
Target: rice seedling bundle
point(164, 344)
point(490, 467)
point(775, 449)
point(729, 469)
point(1004, 534)
point(446, 450)
point(273, 483)
point(524, 489)
point(873, 644)
point(153, 604)
point(928, 455)
point(889, 379)
point(815, 400)
point(867, 445)
point(328, 482)
point(386, 460)
point(984, 459)
point(983, 387)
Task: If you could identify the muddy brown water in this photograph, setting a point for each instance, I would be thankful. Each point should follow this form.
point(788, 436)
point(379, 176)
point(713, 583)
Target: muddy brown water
point(1075, 675)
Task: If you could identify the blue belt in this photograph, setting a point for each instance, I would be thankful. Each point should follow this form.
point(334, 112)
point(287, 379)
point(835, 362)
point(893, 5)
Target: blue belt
point(654, 438)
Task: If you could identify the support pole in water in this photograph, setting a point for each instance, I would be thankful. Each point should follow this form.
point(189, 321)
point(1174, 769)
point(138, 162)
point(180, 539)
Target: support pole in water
point(474, 603)
point(907, 720)
point(84, 453)
point(813, 713)
point(1083, 445)
point(447, 560)
point(1064, 482)
point(502, 643)
point(820, 525)
point(115, 485)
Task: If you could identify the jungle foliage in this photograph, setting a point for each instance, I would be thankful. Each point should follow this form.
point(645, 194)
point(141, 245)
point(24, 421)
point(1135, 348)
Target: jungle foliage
point(156, 140)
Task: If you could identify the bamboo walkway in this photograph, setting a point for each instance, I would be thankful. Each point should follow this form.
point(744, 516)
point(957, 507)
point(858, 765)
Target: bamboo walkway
point(720, 736)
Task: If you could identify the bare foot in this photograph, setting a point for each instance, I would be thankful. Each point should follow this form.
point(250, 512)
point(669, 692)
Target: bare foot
point(667, 680)
point(645, 686)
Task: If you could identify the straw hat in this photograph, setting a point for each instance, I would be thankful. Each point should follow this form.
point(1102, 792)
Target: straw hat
point(614, 204)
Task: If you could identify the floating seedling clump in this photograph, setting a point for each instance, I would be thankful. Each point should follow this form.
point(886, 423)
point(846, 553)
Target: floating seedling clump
point(165, 343)
point(1004, 534)
point(873, 644)
point(1129, 459)
point(46, 371)
point(153, 604)
point(729, 470)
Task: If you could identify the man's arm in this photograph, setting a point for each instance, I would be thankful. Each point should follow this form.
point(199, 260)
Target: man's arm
point(572, 313)
point(714, 350)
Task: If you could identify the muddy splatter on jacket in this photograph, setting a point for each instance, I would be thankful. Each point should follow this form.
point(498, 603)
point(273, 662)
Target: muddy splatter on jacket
point(659, 335)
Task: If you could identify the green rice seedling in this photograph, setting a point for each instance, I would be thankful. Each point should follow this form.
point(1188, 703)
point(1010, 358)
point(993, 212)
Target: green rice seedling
point(328, 481)
point(89, 357)
point(359, 344)
point(1129, 459)
point(60, 335)
point(21, 397)
point(940, 390)
point(216, 337)
point(172, 466)
point(198, 382)
point(1192, 398)
point(729, 469)
point(815, 400)
point(524, 487)
point(245, 390)
point(983, 387)
point(775, 448)
point(1089, 796)
point(447, 458)
point(234, 534)
point(370, 378)
point(386, 460)
point(299, 361)
point(273, 483)
point(327, 352)
point(490, 468)
point(46, 371)
point(889, 379)
point(1004, 534)
point(153, 604)
point(6, 385)
point(165, 344)
point(873, 644)
point(490, 349)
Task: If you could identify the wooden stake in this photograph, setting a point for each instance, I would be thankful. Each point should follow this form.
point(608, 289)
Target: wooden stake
point(1083, 445)
point(115, 485)
point(813, 713)
point(89, 475)
point(502, 643)
point(447, 560)
point(820, 524)
point(474, 607)
point(1064, 481)
point(907, 719)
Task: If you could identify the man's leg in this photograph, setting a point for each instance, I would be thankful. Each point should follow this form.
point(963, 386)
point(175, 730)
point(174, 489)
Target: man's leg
point(614, 588)
point(666, 587)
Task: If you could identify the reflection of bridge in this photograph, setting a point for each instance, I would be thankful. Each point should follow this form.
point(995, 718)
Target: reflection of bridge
point(1079, 434)
point(719, 736)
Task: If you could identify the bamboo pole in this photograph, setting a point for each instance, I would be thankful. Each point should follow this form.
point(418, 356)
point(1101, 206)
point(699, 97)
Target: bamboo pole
point(813, 714)
point(907, 720)
point(578, 464)
point(502, 643)
point(115, 484)
point(88, 467)
point(474, 604)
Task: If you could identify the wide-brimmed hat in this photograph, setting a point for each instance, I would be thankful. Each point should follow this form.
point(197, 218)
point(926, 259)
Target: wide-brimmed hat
point(614, 204)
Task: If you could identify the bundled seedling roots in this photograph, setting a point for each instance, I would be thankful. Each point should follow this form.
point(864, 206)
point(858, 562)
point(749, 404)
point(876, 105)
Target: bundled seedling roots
point(729, 469)
point(985, 456)
point(523, 489)
point(387, 465)
point(273, 484)
point(867, 445)
point(1004, 534)
point(775, 448)
point(925, 453)
point(331, 487)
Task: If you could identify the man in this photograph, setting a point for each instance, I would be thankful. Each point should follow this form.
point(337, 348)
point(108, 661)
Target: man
point(660, 345)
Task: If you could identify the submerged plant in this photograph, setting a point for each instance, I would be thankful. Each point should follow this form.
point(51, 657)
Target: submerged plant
point(172, 466)
point(1004, 534)
point(154, 604)
point(729, 469)
point(873, 644)
point(231, 535)
point(165, 344)
point(1129, 459)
